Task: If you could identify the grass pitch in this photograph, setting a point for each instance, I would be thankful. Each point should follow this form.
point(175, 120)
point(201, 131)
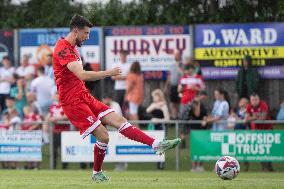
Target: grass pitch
point(20, 179)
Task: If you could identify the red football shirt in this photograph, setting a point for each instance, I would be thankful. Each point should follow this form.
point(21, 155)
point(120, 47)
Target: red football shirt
point(56, 111)
point(69, 86)
point(257, 111)
point(187, 81)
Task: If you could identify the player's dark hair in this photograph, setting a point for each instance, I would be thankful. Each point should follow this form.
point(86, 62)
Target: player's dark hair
point(135, 68)
point(78, 21)
point(124, 52)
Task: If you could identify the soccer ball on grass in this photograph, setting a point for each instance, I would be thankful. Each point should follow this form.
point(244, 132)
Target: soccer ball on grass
point(227, 168)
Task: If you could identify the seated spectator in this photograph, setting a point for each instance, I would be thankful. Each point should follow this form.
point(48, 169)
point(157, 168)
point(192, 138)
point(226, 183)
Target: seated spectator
point(31, 101)
point(42, 86)
point(241, 112)
point(26, 71)
point(54, 116)
point(10, 115)
point(190, 84)
point(220, 110)
point(258, 110)
point(5, 81)
point(18, 92)
point(28, 125)
point(134, 90)
point(159, 111)
point(280, 115)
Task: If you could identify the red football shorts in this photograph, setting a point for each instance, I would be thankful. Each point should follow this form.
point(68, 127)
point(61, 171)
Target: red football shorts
point(85, 114)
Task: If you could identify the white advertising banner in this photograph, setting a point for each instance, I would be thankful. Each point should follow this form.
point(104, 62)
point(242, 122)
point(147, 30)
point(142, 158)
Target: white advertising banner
point(120, 148)
point(20, 146)
point(153, 46)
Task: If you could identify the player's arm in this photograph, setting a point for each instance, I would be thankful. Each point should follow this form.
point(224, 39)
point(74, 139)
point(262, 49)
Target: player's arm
point(77, 68)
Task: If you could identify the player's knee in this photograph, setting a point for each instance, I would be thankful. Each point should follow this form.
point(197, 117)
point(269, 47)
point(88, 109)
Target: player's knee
point(121, 119)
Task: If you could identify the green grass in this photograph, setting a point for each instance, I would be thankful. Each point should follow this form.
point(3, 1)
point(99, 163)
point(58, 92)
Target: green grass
point(70, 179)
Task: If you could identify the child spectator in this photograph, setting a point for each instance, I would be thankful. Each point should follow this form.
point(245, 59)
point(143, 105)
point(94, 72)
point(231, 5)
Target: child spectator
point(241, 113)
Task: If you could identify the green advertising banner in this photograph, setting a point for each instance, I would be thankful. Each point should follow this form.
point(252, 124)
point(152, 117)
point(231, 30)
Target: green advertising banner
point(254, 146)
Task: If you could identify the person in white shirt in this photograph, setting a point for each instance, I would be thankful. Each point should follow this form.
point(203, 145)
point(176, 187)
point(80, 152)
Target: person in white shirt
point(41, 86)
point(26, 71)
point(5, 80)
point(120, 81)
point(48, 69)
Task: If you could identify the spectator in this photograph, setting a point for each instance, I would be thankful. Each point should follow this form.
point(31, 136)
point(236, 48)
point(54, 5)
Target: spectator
point(42, 87)
point(190, 84)
point(134, 90)
point(175, 72)
point(5, 80)
point(93, 86)
point(31, 101)
point(29, 117)
point(195, 64)
point(241, 112)
point(120, 81)
point(11, 122)
point(187, 114)
point(220, 110)
point(159, 111)
point(18, 92)
point(258, 110)
point(55, 115)
point(247, 80)
point(26, 71)
point(280, 115)
point(48, 68)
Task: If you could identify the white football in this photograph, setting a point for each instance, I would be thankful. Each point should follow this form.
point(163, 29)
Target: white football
point(227, 168)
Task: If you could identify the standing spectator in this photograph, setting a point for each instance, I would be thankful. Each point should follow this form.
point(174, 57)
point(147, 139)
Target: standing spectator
point(280, 115)
point(220, 110)
point(247, 80)
point(159, 111)
point(19, 93)
point(5, 80)
point(55, 115)
point(42, 87)
point(258, 110)
point(29, 117)
point(48, 68)
point(187, 114)
point(120, 81)
point(26, 71)
point(134, 90)
point(175, 72)
point(190, 84)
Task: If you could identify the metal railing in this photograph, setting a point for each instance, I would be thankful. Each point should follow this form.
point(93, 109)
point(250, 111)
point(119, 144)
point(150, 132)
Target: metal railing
point(176, 123)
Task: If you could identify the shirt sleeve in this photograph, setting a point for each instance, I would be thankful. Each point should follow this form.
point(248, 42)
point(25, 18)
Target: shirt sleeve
point(66, 55)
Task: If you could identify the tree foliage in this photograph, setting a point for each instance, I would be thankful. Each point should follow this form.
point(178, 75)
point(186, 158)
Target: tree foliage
point(57, 13)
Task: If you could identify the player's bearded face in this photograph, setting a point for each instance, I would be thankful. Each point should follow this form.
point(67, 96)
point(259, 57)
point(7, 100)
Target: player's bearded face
point(82, 35)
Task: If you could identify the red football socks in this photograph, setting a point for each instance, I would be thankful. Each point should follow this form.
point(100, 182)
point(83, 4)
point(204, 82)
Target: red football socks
point(99, 155)
point(135, 134)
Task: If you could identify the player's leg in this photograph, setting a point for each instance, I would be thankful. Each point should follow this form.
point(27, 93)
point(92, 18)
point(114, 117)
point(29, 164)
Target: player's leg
point(134, 133)
point(100, 149)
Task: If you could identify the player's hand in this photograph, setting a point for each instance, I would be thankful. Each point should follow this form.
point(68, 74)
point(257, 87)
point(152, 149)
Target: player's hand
point(115, 71)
